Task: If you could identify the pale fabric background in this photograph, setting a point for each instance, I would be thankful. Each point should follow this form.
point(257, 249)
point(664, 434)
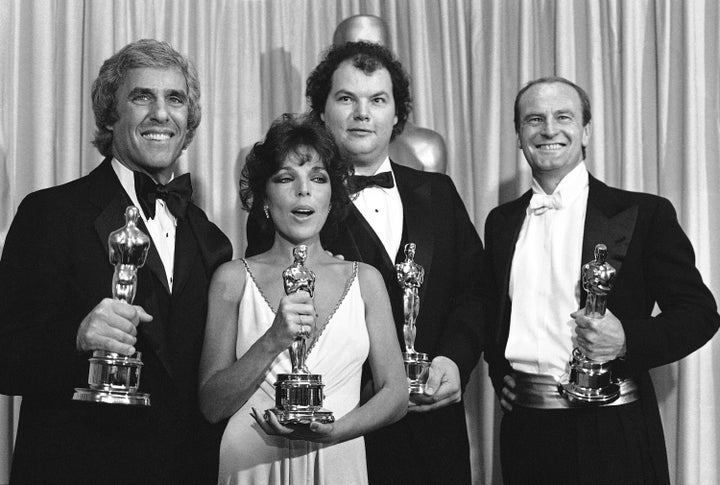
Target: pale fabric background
point(651, 68)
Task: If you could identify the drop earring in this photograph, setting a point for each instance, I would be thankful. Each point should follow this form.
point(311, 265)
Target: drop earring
point(267, 212)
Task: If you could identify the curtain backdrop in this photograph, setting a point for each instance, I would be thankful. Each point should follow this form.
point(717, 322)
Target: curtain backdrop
point(651, 69)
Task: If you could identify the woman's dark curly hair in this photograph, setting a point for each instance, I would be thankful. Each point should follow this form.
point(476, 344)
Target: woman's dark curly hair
point(142, 53)
point(304, 138)
point(368, 57)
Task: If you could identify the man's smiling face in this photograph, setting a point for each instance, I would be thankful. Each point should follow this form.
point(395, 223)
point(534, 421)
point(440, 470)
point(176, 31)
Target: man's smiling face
point(152, 108)
point(551, 133)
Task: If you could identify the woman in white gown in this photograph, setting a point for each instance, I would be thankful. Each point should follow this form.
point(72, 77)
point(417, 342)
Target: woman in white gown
point(292, 181)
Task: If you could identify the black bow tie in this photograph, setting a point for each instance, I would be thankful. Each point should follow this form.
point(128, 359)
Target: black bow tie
point(176, 194)
point(359, 182)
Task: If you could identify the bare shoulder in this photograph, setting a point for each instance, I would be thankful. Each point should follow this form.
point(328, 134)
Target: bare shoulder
point(229, 278)
point(369, 278)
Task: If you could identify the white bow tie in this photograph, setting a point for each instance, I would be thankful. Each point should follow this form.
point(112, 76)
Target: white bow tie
point(541, 203)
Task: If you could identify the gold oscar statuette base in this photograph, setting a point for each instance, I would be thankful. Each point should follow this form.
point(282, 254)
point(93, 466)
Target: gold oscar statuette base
point(113, 379)
point(299, 400)
point(590, 381)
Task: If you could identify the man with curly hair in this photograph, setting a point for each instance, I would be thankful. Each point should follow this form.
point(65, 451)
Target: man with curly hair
point(56, 279)
point(361, 94)
point(416, 146)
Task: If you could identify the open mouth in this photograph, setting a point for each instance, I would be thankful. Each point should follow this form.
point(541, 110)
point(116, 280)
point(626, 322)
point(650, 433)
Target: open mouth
point(303, 211)
point(157, 136)
point(551, 146)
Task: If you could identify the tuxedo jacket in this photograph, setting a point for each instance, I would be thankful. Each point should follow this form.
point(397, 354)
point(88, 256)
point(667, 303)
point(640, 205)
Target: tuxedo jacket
point(654, 263)
point(449, 322)
point(54, 270)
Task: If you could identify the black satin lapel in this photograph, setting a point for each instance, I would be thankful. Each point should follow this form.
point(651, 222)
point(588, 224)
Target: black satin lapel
point(622, 227)
point(615, 232)
point(153, 262)
point(185, 253)
point(111, 218)
point(154, 330)
point(366, 242)
point(614, 229)
point(508, 231)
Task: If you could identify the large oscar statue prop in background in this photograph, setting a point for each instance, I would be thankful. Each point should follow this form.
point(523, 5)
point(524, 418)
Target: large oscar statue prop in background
point(299, 395)
point(591, 381)
point(410, 276)
point(114, 378)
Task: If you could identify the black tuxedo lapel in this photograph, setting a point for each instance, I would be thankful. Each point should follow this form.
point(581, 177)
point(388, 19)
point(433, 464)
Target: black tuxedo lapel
point(363, 241)
point(509, 224)
point(107, 193)
point(416, 195)
point(607, 221)
point(512, 221)
point(185, 253)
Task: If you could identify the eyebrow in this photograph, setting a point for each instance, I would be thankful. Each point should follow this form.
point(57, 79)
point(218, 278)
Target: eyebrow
point(169, 92)
point(554, 113)
point(344, 91)
point(138, 91)
point(316, 168)
point(177, 93)
point(352, 93)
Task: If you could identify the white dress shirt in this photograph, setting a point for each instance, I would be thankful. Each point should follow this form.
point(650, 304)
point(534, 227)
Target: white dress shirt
point(383, 210)
point(161, 227)
point(545, 279)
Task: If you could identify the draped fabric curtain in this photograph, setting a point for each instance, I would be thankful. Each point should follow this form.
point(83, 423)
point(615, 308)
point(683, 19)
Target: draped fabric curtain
point(651, 69)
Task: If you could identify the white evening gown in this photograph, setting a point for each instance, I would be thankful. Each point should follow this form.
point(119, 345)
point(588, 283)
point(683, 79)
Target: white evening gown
point(249, 456)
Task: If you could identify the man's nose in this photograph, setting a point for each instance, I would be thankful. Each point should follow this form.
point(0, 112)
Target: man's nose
point(361, 111)
point(550, 128)
point(159, 111)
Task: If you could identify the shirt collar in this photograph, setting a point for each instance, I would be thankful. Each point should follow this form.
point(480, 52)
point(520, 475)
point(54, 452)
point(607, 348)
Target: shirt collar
point(127, 179)
point(385, 166)
point(572, 185)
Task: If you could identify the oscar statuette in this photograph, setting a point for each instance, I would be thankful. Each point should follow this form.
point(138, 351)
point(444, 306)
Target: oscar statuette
point(591, 381)
point(115, 378)
point(299, 394)
point(410, 276)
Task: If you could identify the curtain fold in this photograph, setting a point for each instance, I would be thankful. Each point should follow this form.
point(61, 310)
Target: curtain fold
point(651, 68)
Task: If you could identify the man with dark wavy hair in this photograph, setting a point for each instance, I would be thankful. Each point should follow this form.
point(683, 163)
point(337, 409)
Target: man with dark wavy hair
point(361, 93)
point(416, 146)
point(56, 279)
